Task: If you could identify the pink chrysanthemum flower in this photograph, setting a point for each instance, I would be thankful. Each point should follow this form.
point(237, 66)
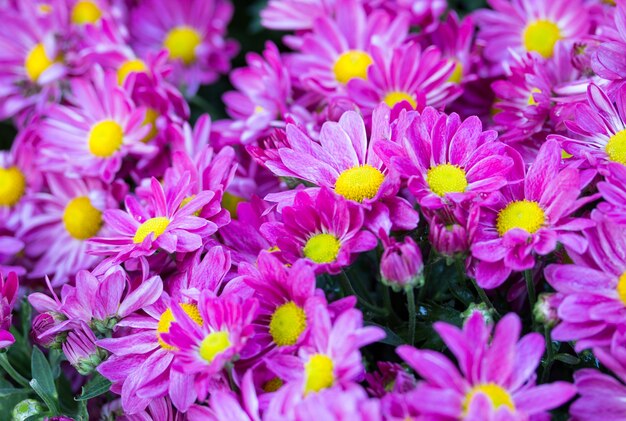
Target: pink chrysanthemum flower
point(593, 287)
point(8, 296)
point(522, 26)
point(192, 31)
point(93, 133)
point(350, 402)
point(447, 160)
point(405, 75)
point(529, 218)
point(607, 60)
point(166, 222)
point(324, 228)
point(56, 234)
point(613, 191)
point(598, 128)
point(31, 61)
point(500, 367)
point(339, 48)
point(287, 15)
point(202, 350)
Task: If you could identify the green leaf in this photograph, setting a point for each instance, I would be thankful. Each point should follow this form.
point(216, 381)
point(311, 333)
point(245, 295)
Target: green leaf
point(42, 372)
point(10, 391)
point(26, 312)
point(391, 338)
point(48, 399)
point(567, 359)
point(95, 387)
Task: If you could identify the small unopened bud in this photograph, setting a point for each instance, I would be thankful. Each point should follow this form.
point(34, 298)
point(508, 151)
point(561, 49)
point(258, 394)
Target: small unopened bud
point(401, 265)
point(545, 310)
point(81, 350)
point(42, 324)
point(481, 308)
point(27, 408)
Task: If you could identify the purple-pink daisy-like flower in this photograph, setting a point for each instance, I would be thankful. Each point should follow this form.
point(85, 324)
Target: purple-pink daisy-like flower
point(593, 288)
point(166, 222)
point(607, 59)
point(8, 296)
point(529, 218)
point(349, 402)
point(521, 26)
point(91, 134)
point(499, 367)
point(324, 228)
point(203, 349)
point(446, 160)
point(405, 76)
point(598, 128)
point(613, 191)
point(192, 31)
point(339, 47)
point(56, 233)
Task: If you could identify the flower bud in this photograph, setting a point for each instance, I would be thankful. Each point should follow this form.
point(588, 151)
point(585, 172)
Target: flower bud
point(401, 265)
point(81, 350)
point(485, 312)
point(545, 311)
point(42, 324)
point(27, 408)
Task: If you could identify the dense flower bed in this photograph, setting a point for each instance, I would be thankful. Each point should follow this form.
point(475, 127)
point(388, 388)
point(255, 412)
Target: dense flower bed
point(315, 210)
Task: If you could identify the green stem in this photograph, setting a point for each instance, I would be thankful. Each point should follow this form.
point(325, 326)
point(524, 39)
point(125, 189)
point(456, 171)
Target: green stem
point(6, 365)
point(347, 288)
point(484, 297)
point(388, 306)
point(530, 285)
point(550, 355)
point(410, 296)
point(231, 379)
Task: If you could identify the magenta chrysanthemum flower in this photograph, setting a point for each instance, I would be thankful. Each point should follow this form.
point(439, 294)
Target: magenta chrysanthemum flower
point(91, 135)
point(289, 15)
point(593, 288)
point(598, 128)
point(405, 75)
point(529, 218)
point(500, 368)
point(607, 60)
point(324, 228)
point(522, 26)
point(447, 160)
point(56, 234)
point(613, 191)
point(339, 47)
point(166, 222)
point(192, 31)
point(8, 296)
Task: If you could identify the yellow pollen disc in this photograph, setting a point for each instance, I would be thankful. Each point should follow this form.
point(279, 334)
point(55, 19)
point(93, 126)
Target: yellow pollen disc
point(531, 97)
point(496, 394)
point(167, 317)
point(319, 373)
point(609, 2)
point(85, 12)
point(565, 154)
point(273, 385)
point(130, 66)
point(616, 147)
point(541, 36)
point(446, 178)
point(81, 219)
point(181, 42)
point(523, 214)
point(215, 343)
point(105, 138)
point(230, 203)
point(621, 288)
point(273, 249)
point(359, 183)
point(350, 65)
point(156, 226)
point(37, 62)
point(150, 119)
point(258, 109)
point(12, 186)
point(395, 97)
point(322, 248)
point(44, 8)
point(457, 74)
point(186, 201)
point(287, 324)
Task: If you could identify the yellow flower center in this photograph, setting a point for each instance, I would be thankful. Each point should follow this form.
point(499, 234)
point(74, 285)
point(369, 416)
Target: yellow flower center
point(351, 64)
point(531, 97)
point(167, 317)
point(150, 119)
point(154, 226)
point(359, 183)
point(541, 36)
point(85, 12)
point(215, 343)
point(616, 147)
point(44, 8)
point(230, 203)
point(181, 42)
point(319, 373)
point(81, 219)
point(287, 324)
point(37, 62)
point(446, 178)
point(322, 248)
point(395, 97)
point(12, 186)
point(128, 67)
point(609, 2)
point(621, 288)
point(523, 214)
point(496, 394)
point(105, 138)
point(273, 385)
point(457, 74)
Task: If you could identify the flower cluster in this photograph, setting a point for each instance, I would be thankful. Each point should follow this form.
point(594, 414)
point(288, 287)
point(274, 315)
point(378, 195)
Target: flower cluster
point(357, 229)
